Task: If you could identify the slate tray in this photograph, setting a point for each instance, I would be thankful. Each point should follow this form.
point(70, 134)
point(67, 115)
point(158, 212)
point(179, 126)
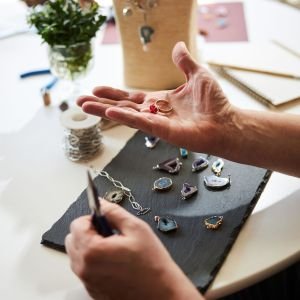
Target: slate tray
point(197, 250)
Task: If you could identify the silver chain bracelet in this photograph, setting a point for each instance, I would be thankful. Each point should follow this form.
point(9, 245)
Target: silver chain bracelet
point(118, 184)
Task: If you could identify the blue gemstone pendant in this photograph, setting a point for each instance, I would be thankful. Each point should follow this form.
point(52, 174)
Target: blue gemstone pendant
point(217, 166)
point(151, 141)
point(214, 182)
point(188, 191)
point(171, 166)
point(183, 152)
point(162, 184)
point(145, 34)
point(199, 164)
point(165, 224)
point(213, 222)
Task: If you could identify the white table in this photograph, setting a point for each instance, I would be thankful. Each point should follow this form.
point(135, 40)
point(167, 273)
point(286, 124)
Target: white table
point(37, 182)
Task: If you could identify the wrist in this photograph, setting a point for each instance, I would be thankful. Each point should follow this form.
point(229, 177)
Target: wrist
point(177, 285)
point(225, 133)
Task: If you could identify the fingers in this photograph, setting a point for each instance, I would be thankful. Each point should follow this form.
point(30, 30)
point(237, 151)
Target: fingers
point(183, 60)
point(116, 94)
point(119, 218)
point(110, 93)
point(153, 124)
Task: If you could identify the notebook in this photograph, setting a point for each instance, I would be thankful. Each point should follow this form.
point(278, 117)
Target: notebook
point(271, 90)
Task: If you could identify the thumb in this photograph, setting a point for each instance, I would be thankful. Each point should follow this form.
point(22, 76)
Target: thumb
point(118, 217)
point(183, 60)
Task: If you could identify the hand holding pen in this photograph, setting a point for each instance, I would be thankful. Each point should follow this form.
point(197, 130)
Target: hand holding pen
point(99, 221)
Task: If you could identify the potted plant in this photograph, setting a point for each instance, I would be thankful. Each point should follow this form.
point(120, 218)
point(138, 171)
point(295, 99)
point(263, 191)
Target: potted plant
point(68, 27)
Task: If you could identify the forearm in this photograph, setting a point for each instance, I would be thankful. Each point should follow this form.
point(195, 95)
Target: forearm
point(177, 286)
point(264, 139)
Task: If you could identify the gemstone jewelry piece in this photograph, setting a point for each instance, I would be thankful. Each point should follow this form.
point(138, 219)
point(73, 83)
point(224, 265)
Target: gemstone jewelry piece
point(145, 35)
point(127, 11)
point(165, 224)
point(183, 152)
point(163, 106)
point(115, 196)
point(151, 141)
point(217, 166)
point(213, 222)
point(162, 184)
point(216, 183)
point(199, 164)
point(153, 109)
point(171, 166)
point(188, 191)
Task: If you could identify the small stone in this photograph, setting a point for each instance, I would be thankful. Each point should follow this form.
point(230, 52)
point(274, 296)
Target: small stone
point(153, 109)
point(64, 106)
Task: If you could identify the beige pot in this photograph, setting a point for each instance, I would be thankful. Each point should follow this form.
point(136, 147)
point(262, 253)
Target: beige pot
point(172, 21)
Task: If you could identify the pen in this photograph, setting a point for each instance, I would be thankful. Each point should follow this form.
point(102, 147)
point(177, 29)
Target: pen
point(272, 73)
point(99, 221)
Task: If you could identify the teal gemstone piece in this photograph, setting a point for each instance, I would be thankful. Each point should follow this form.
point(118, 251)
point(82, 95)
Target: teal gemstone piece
point(166, 224)
point(183, 153)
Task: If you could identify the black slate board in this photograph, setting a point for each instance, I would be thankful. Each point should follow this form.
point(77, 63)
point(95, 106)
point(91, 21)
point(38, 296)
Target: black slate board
point(197, 250)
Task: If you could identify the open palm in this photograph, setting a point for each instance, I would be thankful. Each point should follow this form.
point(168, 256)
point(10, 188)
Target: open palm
point(200, 108)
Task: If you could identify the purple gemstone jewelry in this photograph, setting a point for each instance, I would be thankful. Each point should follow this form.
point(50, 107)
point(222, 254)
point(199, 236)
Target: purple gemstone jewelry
point(188, 191)
point(171, 166)
point(199, 164)
point(151, 141)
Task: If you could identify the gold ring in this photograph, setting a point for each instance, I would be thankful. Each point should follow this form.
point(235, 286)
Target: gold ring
point(163, 106)
point(213, 222)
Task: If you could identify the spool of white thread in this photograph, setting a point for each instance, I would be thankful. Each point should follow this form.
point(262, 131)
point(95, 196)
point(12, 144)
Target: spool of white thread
point(82, 140)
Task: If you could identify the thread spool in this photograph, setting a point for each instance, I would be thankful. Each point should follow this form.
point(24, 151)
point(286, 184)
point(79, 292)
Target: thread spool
point(82, 136)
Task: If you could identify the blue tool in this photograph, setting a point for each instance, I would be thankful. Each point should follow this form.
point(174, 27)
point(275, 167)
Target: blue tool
point(98, 220)
point(34, 73)
point(49, 85)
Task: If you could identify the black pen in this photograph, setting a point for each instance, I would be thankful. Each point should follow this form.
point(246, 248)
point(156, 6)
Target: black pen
point(99, 221)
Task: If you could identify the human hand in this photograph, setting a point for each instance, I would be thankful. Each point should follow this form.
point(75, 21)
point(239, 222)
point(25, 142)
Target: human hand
point(131, 265)
point(200, 108)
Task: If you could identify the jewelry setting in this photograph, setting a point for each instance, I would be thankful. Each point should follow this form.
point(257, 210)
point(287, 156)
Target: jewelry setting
point(161, 106)
point(171, 165)
point(188, 191)
point(162, 184)
point(213, 222)
point(217, 166)
point(214, 182)
point(127, 192)
point(143, 6)
point(151, 141)
point(165, 224)
point(199, 164)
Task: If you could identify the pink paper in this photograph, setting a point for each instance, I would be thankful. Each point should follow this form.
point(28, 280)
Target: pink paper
point(223, 22)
